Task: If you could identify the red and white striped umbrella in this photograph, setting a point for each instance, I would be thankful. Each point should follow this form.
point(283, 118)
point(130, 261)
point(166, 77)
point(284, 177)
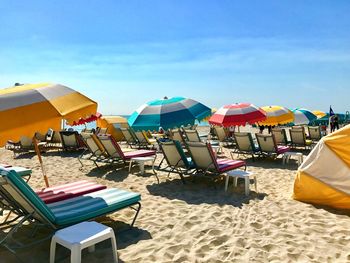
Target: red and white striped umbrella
point(237, 114)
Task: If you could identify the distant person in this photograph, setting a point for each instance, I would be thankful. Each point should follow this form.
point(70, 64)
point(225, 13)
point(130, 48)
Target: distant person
point(331, 122)
point(261, 128)
point(335, 122)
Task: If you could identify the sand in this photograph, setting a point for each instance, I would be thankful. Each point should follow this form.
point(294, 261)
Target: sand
point(199, 221)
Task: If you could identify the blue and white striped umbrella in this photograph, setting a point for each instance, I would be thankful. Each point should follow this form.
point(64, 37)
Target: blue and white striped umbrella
point(303, 116)
point(168, 114)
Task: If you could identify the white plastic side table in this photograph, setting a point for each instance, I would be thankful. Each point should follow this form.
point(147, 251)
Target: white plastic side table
point(241, 174)
point(141, 162)
point(287, 155)
point(80, 236)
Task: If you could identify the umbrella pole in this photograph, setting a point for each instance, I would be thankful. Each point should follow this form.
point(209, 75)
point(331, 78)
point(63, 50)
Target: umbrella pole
point(37, 150)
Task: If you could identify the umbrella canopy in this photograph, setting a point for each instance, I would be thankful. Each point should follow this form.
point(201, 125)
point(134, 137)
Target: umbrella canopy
point(112, 123)
point(237, 114)
point(213, 110)
point(29, 108)
point(82, 121)
point(276, 115)
point(168, 113)
point(319, 114)
point(303, 116)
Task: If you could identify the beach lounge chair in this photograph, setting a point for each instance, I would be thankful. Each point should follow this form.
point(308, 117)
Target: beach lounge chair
point(280, 136)
point(315, 133)
point(24, 145)
point(115, 152)
point(176, 135)
point(70, 140)
point(29, 208)
point(298, 138)
point(129, 137)
point(191, 135)
point(245, 144)
point(222, 136)
point(54, 140)
point(100, 130)
point(143, 140)
point(95, 152)
point(268, 145)
point(205, 161)
point(176, 159)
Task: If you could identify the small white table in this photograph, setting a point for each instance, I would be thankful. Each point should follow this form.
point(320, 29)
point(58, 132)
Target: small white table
point(287, 155)
point(241, 174)
point(80, 236)
point(141, 162)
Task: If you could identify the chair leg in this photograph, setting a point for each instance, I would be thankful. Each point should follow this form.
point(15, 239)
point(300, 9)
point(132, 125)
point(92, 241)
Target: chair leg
point(53, 250)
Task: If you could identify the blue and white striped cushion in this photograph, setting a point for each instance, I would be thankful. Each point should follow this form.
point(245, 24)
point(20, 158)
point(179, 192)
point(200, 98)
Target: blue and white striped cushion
point(92, 205)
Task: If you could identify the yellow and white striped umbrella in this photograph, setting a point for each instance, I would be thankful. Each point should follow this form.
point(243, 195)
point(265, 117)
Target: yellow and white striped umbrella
point(319, 114)
point(277, 115)
point(29, 108)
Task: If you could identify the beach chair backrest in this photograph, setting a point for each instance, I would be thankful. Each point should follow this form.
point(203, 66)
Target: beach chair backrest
point(127, 135)
point(192, 135)
point(146, 136)
point(49, 135)
point(266, 143)
point(297, 136)
point(140, 136)
point(280, 135)
point(202, 155)
point(176, 135)
point(244, 141)
point(174, 154)
point(56, 137)
point(112, 147)
point(220, 133)
point(91, 142)
point(26, 141)
point(69, 139)
point(21, 194)
point(40, 137)
point(315, 133)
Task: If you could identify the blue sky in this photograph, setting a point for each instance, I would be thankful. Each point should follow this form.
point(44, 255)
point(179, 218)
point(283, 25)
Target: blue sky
point(124, 53)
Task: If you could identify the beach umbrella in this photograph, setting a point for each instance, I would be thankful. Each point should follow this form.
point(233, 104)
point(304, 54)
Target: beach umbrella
point(93, 117)
point(237, 114)
point(30, 108)
point(168, 113)
point(213, 110)
point(276, 115)
point(303, 116)
point(319, 114)
point(112, 123)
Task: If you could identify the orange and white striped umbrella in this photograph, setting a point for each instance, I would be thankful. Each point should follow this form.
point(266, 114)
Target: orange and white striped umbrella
point(31, 108)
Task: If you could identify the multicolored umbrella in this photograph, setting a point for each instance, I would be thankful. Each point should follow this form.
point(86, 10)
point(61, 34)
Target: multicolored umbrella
point(303, 116)
point(237, 114)
point(168, 113)
point(213, 110)
point(30, 108)
point(319, 114)
point(276, 115)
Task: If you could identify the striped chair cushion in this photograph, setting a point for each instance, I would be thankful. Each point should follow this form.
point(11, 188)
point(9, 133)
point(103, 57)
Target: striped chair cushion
point(228, 164)
point(139, 153)
point(282, 149)
point(92, 205)
point(63, 192)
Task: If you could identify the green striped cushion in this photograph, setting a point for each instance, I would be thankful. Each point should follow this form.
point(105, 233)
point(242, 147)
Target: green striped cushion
point(28, 192)
point(92, 205)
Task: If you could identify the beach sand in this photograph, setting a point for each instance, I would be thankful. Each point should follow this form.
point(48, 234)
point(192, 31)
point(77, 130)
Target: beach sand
point(199, 221)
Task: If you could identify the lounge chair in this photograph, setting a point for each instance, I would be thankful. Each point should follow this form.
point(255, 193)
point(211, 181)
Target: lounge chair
point(280, 136)
point(205, 161)
point(314, 133)
point(222, 136)
point(268, 145)
point(245, 144)
point(101, 130)
point(24, 145)
point(176, 135)
point(129, 137)
point(95, 151)
point(175, 158)
point(143, 140)
point(192, 135)
point(115, 152)
point(30, 208)
point(70, 140)
point(54, 140)
point(298, 138)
